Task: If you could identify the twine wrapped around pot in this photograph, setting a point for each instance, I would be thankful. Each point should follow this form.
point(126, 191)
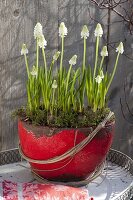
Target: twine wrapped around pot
point(69, 154)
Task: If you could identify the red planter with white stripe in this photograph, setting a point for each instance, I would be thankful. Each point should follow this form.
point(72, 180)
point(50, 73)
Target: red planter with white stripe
point(37, 143)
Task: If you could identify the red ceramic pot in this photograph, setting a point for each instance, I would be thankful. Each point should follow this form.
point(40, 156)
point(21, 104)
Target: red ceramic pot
point(37, 143)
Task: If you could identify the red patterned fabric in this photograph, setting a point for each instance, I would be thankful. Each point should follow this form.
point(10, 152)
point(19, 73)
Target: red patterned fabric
point(30, 191)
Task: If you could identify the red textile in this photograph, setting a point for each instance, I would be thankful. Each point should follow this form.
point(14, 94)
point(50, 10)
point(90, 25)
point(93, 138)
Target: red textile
point(30, 191)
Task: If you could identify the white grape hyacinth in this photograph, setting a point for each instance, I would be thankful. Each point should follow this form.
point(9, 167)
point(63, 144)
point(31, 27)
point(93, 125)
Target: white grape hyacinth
point(85, 32)
point(38, 30)
point(54, 85)
point(34, 71)
point(62, 30)
point(42, 43)
point(73, 60)
point(104, 51)
point(98, 31)
point(120, 48)
point(24, 50)
point(56, 55)
point(98, 79)
point(102, 74)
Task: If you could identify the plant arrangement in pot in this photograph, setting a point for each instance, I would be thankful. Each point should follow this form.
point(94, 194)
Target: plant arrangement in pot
point(64, 138)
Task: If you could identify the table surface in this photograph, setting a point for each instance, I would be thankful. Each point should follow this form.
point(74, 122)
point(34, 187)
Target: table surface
point(113, 181)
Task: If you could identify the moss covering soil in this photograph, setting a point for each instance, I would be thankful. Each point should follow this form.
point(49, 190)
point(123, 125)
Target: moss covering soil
point(70, 120)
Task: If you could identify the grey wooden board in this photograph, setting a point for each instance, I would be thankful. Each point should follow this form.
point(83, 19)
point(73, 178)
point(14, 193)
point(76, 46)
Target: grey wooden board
point(17, 20)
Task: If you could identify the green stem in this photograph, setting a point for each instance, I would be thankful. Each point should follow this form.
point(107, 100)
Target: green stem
point(46, 78)
point(37, 54)
point(67, 79)
point(101, 64)
point(52, 63)
point(53, 101)
point(96, 58)
point(112, 76)
point(84, 57)
point(29, 97)
point(27, 67)
point(61, 70)
point(80, 107)
point(61, 60)
point(50, 70)
point(45, 63)
point(96, 98)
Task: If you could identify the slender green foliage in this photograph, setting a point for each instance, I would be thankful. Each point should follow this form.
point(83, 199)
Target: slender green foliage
point(67, 89)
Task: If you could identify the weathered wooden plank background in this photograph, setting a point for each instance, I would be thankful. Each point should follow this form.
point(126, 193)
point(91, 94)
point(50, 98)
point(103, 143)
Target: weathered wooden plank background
point(17, 20)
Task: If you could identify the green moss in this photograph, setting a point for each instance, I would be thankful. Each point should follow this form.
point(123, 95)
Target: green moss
point(71, 119)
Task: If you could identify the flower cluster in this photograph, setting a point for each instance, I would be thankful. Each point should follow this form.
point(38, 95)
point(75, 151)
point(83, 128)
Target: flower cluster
point(66, 90)
point(85, 32)
point(62, 30)
point(24, 50)
point(34, 71)
point(38, 34)
point(73, 60)
point(120, 48)
point(56, 56)
point(98, 31)
point(54, 85)
point(104, 51)
point(38, 30)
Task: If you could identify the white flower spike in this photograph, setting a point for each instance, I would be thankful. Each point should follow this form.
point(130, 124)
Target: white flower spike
point(54, 85)
point(85, 32)
point(62, 30)
point(42, 43)
point(38, 30)
point(104, 51)
point(34, 71)
point(120, 48)
point(98, 79)
point(73, 60)
point(102, 74)
point(56, 55)
point(24, 50)
point(98, 31)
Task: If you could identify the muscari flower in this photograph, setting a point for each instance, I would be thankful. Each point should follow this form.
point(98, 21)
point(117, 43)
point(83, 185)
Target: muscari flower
point(101, 74)
point(104, 51)
point(62, 30)
point(85, 32)
point(34, 71)
point(54, 85)
point(38, 30)
point(98, 31)
point(56, 55)
point(98, 79)
point(120, 48)
point(73, 60)
point(24, 50)
point(42, 43)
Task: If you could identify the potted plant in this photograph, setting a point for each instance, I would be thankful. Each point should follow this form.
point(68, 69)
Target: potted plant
point(56, 122)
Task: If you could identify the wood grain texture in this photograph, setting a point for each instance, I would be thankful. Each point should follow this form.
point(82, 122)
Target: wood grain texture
point(17, 21)
point(75, 14)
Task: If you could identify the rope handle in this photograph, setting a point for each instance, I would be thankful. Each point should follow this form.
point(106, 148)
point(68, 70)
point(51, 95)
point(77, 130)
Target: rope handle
point(74, 150)
point(90, 178)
